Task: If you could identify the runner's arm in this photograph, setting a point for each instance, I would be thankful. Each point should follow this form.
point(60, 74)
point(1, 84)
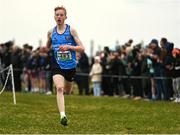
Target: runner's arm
point(48, 43)
point(79, 47)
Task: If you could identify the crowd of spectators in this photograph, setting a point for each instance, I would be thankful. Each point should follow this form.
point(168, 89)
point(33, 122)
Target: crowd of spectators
point(31, 68)
point(148, 72)
point(132, 71)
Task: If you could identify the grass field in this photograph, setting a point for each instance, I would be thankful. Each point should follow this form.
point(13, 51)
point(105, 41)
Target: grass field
point(38, 114)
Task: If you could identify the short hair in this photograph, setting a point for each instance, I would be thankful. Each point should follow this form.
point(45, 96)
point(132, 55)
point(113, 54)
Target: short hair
point(164, 40)
point(60, 8)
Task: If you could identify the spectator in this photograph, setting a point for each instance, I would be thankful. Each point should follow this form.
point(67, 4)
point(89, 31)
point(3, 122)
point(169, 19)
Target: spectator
point(176, 75)
point(154, 56)
point(136, 71)
point(106, 80)
point(49, 79)
point(146, 83)
point(95, 74)
point(25, 56)
point(33, 66)
point(83, 67)
point(168, 71)
point(163, 42)
point(116, 69)
point(17, 67)
point(42, 62)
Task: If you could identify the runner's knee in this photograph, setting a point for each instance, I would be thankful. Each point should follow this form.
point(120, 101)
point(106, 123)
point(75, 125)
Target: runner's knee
point(59, 89)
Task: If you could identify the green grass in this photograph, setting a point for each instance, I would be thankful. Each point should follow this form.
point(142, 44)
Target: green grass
point(38, 114)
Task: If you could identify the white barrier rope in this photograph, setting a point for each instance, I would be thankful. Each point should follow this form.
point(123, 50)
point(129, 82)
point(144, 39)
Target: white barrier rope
point(5, 69)
point(6, 80)
point(10, 71)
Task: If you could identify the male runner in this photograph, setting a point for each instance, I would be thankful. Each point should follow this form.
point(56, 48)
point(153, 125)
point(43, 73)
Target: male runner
point(65, 43)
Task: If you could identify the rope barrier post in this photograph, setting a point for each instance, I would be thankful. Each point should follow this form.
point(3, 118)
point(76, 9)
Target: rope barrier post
point(13, 88)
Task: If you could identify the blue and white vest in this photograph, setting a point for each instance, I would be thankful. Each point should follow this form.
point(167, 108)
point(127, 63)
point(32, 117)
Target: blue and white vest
point(67, 59)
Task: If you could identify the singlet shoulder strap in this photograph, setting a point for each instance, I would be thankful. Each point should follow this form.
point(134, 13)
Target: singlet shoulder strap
point(54, 29)
point(68, 28)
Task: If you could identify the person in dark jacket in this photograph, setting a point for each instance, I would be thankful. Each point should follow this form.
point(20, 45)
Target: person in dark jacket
point(83, 67)
point(17, 67)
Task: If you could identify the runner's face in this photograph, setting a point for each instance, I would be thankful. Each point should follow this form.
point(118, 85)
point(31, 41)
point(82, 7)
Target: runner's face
point(60, 16)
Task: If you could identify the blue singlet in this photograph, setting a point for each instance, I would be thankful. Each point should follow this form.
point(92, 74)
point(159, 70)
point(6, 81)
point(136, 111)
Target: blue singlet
point(67, 59)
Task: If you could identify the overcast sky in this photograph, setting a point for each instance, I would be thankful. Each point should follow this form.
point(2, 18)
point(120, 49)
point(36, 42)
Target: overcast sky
point(104, 21)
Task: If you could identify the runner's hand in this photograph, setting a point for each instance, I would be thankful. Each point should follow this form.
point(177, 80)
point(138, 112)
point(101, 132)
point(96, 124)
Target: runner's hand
point(64, 48)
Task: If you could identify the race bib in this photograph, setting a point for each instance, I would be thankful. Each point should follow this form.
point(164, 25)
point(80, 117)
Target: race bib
point(64, 56)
